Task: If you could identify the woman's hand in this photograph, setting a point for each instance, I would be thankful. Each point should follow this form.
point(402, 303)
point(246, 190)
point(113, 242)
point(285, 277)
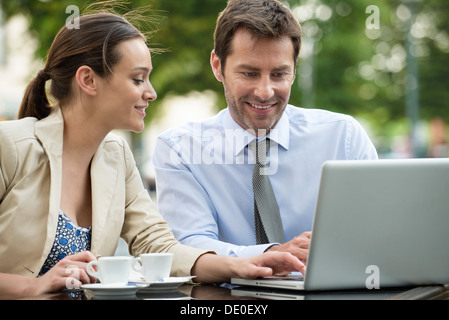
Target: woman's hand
point(69, 273)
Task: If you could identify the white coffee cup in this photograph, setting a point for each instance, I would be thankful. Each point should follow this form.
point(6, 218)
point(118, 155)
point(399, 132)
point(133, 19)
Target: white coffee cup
point(110, 270)
point(153, 266)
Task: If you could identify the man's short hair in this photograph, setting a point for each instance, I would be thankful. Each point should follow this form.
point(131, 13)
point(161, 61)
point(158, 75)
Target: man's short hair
point(263, 18)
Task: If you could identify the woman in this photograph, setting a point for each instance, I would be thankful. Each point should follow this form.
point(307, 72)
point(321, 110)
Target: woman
point(69, 188)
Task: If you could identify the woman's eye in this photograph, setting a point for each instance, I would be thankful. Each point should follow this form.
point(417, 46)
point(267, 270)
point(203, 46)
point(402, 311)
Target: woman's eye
point(138, 81)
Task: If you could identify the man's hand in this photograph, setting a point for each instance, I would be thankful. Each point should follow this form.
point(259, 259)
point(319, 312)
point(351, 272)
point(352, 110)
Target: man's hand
point(298, 246)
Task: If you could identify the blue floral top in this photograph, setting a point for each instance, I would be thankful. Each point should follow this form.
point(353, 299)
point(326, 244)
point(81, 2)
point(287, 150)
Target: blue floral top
point(70, 239)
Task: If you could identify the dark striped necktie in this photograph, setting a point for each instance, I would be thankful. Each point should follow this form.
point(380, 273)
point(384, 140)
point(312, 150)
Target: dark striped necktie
point(267, 219)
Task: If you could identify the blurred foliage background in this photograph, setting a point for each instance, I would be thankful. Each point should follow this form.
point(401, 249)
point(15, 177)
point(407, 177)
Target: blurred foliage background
point(387, 64)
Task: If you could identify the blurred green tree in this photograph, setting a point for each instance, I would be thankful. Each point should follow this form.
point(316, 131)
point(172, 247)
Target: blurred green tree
point(346, 64)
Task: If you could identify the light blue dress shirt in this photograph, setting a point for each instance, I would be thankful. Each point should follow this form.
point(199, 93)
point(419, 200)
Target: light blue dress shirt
point(204, 175)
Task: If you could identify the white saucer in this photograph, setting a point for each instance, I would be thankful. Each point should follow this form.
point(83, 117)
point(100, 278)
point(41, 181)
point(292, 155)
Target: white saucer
point(100, 289)
point(165, 284)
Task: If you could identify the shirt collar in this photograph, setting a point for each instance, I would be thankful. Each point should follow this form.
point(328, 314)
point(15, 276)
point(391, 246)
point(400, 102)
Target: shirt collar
point(236, 136)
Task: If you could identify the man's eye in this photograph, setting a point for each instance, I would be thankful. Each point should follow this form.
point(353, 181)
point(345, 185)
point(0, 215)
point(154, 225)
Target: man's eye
point(250, 74)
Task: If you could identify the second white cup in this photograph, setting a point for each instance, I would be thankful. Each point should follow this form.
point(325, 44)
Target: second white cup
point(153, 266)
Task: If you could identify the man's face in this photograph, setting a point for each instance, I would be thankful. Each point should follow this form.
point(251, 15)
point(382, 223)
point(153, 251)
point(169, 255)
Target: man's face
point(257, 79)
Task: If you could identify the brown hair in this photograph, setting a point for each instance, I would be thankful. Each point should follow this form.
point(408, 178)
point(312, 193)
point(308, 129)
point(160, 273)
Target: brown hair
point(263, 18)
point(93, 44)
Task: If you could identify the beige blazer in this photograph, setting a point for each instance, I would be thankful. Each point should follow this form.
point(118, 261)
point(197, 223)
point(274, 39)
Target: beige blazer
point(30, 192)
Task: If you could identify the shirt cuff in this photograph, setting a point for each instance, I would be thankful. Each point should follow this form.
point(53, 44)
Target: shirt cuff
point(250, 251)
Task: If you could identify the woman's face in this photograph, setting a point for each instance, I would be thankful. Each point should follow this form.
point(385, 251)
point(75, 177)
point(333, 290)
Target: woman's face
point(124, 96)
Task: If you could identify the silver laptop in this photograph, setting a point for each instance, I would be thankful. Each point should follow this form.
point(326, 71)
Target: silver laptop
point(378, 224)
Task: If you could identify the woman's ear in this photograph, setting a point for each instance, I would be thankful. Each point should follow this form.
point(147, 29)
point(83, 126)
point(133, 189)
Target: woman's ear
point(215, 63)
point(87, 80)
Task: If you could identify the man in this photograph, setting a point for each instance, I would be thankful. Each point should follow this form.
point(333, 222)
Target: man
point(205, 170)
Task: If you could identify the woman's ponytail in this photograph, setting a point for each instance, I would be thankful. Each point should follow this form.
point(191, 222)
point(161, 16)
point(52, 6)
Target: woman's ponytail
point(94, 44)
point(35, 101)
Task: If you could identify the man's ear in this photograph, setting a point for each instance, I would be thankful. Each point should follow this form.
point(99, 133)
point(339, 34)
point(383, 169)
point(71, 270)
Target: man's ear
point(87, 80)
point(215, 63)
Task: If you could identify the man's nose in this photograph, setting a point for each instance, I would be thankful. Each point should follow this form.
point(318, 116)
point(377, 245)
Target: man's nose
point(264, 88)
